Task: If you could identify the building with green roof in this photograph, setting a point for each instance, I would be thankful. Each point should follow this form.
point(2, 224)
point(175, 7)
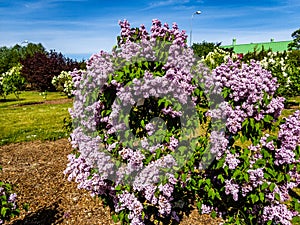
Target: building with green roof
point(275, 46)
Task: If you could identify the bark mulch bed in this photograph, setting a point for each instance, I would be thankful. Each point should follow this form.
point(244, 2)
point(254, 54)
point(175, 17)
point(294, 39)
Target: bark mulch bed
point(36, 171)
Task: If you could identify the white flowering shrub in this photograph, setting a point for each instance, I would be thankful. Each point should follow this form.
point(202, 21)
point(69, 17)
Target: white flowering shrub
point(217, 57)
point(64, 83)
point(11, 82)
point(287, 74)
point(154, 130)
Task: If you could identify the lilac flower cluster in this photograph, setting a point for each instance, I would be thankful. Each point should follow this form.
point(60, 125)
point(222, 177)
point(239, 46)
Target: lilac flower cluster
point(128, 201)
point(248, 85)
point(219, 143)
point(12, 197)
point(146, 87)
point(173, 35)
point(289, 136)
point(78, 170)
point(256, 176)
point(278, 213)
point(231, 160)
point(232, 188)
point(206, 209)
point(158, 32)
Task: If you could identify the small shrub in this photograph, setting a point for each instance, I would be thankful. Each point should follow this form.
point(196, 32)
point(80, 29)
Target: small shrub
point(12, 82)
point(8, 204)
point(64, 83)
point(40, 68)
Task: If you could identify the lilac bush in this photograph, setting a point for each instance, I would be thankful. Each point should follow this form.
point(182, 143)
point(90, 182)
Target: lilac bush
point(253, 175)
point(155, 131)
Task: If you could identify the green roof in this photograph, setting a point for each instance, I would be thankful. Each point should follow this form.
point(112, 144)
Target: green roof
point(275, 46)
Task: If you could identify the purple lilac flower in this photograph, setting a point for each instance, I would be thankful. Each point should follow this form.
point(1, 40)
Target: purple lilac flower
point(173, 143)
point(231, 160)
point(150, 128)
point(232, 188)
point(256, 176)
point(166, 189)
point(278, 213)
point(289, 135)
point(149, 192)
point(135, 161)
point(205, 209)
point(129, 201)
point(219, 143)
point(165, 206)
point(12, 198)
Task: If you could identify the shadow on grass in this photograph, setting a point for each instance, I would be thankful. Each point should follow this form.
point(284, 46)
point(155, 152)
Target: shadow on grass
point(11, 99)
point(44, 216)
point(27, 103)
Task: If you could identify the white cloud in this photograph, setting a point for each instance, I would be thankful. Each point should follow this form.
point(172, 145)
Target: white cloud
point(158, 4)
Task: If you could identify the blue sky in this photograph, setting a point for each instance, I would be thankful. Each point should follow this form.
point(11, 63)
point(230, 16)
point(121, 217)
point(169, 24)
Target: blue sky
point(79, 28)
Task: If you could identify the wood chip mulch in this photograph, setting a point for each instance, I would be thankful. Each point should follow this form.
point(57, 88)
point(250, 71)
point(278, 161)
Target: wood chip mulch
point(36, 171)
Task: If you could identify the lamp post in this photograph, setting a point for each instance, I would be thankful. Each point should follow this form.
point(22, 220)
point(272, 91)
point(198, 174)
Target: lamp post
point(24, 42)
point(195, 13)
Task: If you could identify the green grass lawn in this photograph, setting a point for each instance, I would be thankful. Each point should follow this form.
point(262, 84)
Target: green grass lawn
point(29, 97)
point(27, 119)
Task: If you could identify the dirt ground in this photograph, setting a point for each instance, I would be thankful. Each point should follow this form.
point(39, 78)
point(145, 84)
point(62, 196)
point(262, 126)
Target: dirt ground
point(36, 170)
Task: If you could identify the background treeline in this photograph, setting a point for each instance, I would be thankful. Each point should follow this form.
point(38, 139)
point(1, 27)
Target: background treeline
point(31, 67)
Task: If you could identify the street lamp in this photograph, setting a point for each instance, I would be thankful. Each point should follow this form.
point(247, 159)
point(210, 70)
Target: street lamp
point(24, 42)
point(195, 13)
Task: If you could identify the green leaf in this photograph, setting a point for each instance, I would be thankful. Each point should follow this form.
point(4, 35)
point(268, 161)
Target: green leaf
point(211, 193)
point(252, 123)
point(277, 196)
point(221, 178)
point(3, 211)
point(213, 214)
point(236, 173)
point(254, 198)
point(246, 177)
point(264, 185)
point(280, 178)
point(243, 139)
point(261, 196)
point(115, 218)
point(272, 187)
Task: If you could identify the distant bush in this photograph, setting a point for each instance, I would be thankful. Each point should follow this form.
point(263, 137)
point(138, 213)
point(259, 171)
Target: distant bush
point(11, 82)
point(204, 48)
point(40, 68)
point(218, 56)
point(64, 83)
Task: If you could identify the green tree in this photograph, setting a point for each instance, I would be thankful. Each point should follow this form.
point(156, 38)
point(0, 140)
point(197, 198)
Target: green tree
point(295, 44)
point(202, 49)
point(11, 56)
